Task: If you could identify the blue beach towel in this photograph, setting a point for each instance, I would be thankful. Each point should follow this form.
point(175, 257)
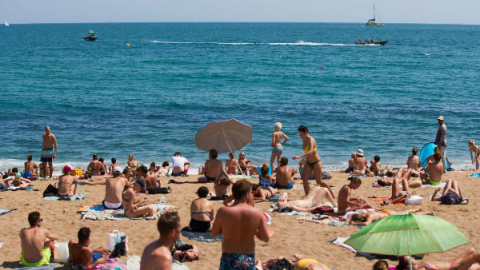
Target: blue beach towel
point(201, 236)
point(77, 197)
point(4, 211)
point(476, 175)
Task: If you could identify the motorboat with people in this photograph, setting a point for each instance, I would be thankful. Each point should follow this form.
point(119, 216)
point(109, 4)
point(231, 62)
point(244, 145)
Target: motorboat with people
point(91, 36)
point(371, 42)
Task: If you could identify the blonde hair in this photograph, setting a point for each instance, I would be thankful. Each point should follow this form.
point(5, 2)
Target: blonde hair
point(131, 157)
point(472, 143)
point(264, 170)
point(278, 126)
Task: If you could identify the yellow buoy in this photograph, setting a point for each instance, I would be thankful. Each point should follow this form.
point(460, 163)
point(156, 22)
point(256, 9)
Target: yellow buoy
point(128, 44)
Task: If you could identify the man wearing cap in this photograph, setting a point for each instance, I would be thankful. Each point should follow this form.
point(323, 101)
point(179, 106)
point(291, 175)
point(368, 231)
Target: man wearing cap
point(360, 161)
point(441, 140)
point(67, 183)
point(114, 188)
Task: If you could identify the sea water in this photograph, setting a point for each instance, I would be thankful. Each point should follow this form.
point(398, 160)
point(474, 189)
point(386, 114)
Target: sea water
point(151, 98)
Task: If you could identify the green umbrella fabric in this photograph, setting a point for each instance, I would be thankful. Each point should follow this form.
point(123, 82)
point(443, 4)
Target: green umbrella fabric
point(393, 235)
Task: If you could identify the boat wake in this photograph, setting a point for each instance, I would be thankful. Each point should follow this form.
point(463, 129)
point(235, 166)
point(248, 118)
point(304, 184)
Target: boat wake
point(298, 43)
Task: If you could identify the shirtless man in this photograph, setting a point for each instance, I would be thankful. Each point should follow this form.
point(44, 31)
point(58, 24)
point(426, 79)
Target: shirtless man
point(180, 165)
point(157, 254)
point(277, 144)
point(132, 206)
point(67, 183)
point(96, 167)
point(213, 167)
point(318, 196)
point(31, 166)
point(114, 164)
point(239, 225)
point(48, 152)
point(370, 217)
point(82, 255)
point(150, 179)
point(284, 175)
point(231, 164)
point(346, 202)
point(434, 170)
point(114, 189)
point(360, 162)
point(35, 246)
point(463, 262)
point(314, 163)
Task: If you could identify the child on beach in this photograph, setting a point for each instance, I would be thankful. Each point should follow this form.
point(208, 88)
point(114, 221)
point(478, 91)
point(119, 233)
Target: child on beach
point(277, 144)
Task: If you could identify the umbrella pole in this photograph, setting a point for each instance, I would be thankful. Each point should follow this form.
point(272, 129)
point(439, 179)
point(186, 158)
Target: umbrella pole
point(409, 255)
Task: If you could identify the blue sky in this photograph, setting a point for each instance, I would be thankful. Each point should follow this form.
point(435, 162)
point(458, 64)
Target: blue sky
point(389, 11)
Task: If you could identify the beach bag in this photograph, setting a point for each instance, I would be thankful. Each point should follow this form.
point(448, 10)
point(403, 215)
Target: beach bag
point(414, 199)
point(185, 253)
point(116, 237)
point(158, 190)
point(451, 198)
point(322, 210)
point(61, 252)
point(50, 191)
point(265, 183)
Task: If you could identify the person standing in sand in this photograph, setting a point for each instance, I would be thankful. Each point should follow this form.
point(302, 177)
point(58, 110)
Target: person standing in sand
point(35, 246)
point(67, 183)
point(474, 153)
point(49, 151)
point(82, 255)
point(114, 187)
point(441, 140)
point(314, 163)
point(277, 144)
point(157, 254)
point(239, 225)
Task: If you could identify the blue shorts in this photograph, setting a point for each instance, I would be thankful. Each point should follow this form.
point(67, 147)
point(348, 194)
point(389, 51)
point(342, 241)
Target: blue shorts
point(233, 261)
point(285, 187)
point(277, 149)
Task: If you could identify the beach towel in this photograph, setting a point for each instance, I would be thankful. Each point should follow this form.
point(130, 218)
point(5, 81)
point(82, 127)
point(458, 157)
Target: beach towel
point(13, 188)
point(380, 200)
point(111, 264)
point(201, 236)
point(77, 197)
point(51, 266)
point(476, 175)
point(119, 214)
point(442, 185)
point(4, 211)
point(133, 263)
point(290, 213)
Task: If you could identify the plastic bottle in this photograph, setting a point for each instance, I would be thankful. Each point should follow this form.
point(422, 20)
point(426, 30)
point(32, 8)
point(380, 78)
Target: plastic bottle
point(337, 223)
point(162, 199)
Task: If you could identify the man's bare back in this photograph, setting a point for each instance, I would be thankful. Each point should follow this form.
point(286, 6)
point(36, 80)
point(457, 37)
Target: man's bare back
point(284, 175)
point(114, 189)
point(151, 181)
point(31, 167)
point(156, 252)
point(213, 167)
point(33, 240)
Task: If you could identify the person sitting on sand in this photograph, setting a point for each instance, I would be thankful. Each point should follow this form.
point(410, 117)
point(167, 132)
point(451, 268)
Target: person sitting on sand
point(370, 217)
point(150, 180)
point(243, 163)
point(346, 202)
point(35, 242)
point(351, 164)
point(413, 163)
point(67, 183)
point(434, 170)
point(317, 197)
point(202, 212)
point(277, 144)
point(96, 167)
point(180, 165)
point(163, 171)
point(376, 167)
point(451, 187)
point(213, 167)
point(231, 164)
point(30, 167)
point(284, 175)
point(82, 255)
point(132, 207)
point(360, 163)
point(222, 186)
point(401, 174)
point(463, 262)
point(114, 188)
point(399, 195)
point(132, 163)
point(157, 254)
point(474, 153)
point(264, 178)
point(153, 171)
point(239, 224)
point(114, 164)
point(263, 192)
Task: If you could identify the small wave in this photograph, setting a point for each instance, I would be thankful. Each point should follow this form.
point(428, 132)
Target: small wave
point(298, 43)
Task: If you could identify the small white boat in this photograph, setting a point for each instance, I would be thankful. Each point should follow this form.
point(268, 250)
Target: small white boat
point(6, 23)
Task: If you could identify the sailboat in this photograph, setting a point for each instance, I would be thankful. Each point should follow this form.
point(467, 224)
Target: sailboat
point(373, 22)
point(6, 23)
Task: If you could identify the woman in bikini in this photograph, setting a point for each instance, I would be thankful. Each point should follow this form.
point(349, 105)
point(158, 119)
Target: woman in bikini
point(314, 163)
point(317, 197)
point(202, 212)
point(277, 144)
point(413, 163)
point(463, 262)
point(263, 193)
point(243, 163)
point(132, 207)
point(231, 164)
point(474, 153)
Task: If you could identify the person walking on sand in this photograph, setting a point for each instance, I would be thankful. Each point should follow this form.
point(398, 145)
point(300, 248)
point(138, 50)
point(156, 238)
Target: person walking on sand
point(239, 225)
point(157, 254)
point(35, 246)
point(441, 140)
point(277, 144)
point(314, 163)
point(49, 151)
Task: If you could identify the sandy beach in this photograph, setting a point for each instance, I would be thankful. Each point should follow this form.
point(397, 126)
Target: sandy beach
point(291, 235)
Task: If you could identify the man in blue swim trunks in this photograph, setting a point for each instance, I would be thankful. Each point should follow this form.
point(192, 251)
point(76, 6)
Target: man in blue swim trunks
point(35, 246)
point(284, 175)
point(239, 224)
point(49, 153)
point(82, 255)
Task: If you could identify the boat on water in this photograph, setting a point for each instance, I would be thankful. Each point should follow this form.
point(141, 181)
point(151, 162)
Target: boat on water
point(7, 24)
point(373, 22)
point(371, 42)
point(91, 36)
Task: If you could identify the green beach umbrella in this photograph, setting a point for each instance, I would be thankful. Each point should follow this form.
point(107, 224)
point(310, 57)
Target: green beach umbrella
point(407, 235)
